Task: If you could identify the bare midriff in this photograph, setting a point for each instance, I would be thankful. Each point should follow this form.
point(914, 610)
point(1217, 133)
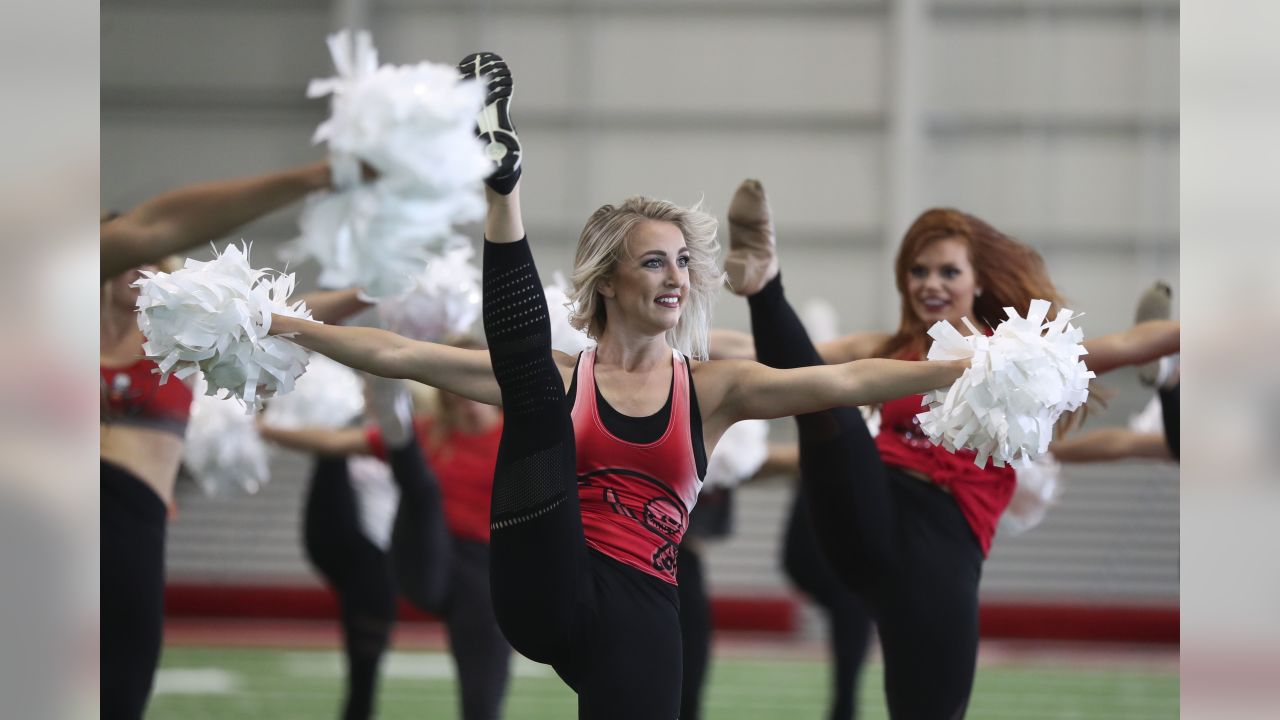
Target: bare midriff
point(151, 455)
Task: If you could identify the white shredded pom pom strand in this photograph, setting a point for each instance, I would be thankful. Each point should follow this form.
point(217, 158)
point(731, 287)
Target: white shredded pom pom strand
point(223, 450)
point(741, 451)
point(214, 317)
point(1019, 382)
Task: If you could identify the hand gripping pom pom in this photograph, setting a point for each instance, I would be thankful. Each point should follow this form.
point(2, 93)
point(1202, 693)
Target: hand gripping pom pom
point(223, 450)
point(445, 300)
point(741, 451)
point(564, 337)
point(214, 317)
point(415, 125)
point(1037, 489)
point(1019, 382)
point(328, 395)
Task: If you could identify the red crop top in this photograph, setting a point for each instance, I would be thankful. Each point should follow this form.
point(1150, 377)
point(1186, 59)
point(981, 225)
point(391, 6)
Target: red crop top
point(464, 465)
point(982, 493)
point(133, 395)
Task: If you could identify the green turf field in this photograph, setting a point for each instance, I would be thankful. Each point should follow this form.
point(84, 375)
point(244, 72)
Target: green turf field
point(218, 684)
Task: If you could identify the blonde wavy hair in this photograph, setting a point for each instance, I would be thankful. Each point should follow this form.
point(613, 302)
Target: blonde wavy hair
point(604, 242)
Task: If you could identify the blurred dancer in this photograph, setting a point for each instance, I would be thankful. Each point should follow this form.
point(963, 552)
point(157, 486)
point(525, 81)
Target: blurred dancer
point(443, 574)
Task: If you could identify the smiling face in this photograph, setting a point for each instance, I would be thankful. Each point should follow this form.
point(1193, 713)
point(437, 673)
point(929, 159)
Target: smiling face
point(941, 283)
point(650, 282)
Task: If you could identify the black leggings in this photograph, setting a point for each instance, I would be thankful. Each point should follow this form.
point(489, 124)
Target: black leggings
point(362, 576)
point(359, 573)
point(1169, 398)
point(132, 591)
point(901, 543)
point(481, 654)
point(695, 629)
point(848, 622)
point(611, 632)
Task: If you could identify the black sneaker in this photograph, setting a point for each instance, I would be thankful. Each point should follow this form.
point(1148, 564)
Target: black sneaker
point(493, 124)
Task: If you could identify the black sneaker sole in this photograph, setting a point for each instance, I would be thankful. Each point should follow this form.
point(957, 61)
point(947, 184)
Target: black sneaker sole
point(493, 124)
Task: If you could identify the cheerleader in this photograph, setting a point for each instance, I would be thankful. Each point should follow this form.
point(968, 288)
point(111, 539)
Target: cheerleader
point(602, 454)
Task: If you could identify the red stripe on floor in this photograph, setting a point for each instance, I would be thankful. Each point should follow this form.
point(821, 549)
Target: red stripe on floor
point(764, 613)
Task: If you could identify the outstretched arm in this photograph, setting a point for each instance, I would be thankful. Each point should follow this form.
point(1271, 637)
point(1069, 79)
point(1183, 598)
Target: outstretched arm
point(379, 352)
point(1110, 443)
point(752, 390)
point(195, 214)
point(858, 346)
point(320, 441)
point(1141, 343)
point(334, 306)
point(738, 345)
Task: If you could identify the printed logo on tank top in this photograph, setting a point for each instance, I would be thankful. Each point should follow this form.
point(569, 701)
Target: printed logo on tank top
point(630, 494)
point(126, 400)
point(635, 497)
point(913, 435)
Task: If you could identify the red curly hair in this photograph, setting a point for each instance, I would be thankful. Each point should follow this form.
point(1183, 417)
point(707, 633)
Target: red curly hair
point(1010, 274)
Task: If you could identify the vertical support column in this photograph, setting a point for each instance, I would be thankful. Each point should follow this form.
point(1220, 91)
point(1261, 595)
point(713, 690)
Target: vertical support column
point(1154, 207)
point(907, 57)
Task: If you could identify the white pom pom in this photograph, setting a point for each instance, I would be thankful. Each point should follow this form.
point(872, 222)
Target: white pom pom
point(328, 395)
point(377, 498)
point(379, 239)
point(564, 337)
point(741, 451)
point(415, 125)
point(223, 450)
point(871, 416)
point(214, 317)
point(445, 299)
point(1037, 489)
point(1020, 381)
point(821, 320)
point(1150, 420)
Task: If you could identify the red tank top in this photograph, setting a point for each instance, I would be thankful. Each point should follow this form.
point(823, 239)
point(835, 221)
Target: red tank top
point(981, 493)
point(635, 498)
point(133, 395)
point(464, 465)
